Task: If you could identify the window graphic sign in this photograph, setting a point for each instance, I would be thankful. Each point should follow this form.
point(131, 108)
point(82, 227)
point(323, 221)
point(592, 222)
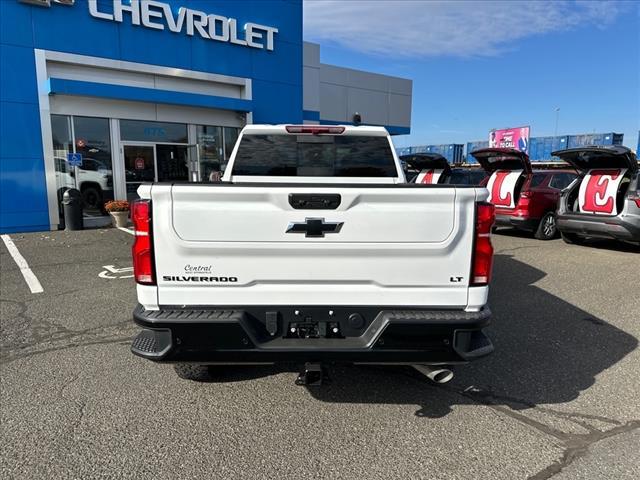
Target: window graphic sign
point(74, 159)
point(598, 191)
point(502, 186)
point(430, 176)
point(517, 138)
point(139, 163)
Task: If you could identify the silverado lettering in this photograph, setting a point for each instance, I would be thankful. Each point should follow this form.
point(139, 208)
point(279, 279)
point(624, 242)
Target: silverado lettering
point(182, 278)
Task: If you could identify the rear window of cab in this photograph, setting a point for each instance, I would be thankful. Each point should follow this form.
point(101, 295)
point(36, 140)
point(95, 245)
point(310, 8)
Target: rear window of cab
point(314, 156)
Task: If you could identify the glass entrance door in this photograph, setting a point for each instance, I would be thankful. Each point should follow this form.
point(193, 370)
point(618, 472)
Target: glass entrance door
point(172, 163)
point(154, 163)
point(139, 167)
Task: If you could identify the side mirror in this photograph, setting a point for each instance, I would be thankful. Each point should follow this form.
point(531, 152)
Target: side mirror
point(72, 172)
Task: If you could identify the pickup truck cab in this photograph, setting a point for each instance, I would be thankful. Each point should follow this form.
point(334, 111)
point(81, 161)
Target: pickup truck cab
point(313, 248)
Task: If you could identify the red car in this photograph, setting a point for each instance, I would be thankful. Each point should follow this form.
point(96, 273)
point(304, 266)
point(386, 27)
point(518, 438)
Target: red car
point(524, 198)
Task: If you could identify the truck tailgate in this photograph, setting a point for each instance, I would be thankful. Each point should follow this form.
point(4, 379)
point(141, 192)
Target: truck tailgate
point(232, 244)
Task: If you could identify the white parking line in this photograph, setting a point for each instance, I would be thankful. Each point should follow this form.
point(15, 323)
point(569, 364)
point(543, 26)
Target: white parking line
point(128, 230)
point(29, 276)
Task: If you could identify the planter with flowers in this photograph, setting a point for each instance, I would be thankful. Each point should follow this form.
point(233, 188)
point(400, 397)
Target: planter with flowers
point(119, 211)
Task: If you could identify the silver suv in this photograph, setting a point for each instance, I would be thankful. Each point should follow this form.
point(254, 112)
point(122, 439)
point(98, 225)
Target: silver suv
point(589, 207)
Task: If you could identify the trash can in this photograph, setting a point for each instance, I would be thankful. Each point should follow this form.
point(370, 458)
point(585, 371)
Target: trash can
point(72, 206)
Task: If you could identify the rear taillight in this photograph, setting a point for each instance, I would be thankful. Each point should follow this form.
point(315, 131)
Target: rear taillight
point(635, 197)
point(525, 199)
point(142, 249)
point(483, 250)
point(314, 129)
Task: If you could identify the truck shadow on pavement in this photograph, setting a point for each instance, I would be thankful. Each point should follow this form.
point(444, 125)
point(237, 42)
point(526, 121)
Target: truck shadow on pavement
point(547, 351)
point(599, 243)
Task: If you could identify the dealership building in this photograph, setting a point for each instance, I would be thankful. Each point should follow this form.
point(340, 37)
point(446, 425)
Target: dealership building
point(102, 95)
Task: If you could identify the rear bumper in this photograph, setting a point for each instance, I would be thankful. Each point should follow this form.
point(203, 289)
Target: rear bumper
point(402, 336)
point(619, 228)
point(522, 223)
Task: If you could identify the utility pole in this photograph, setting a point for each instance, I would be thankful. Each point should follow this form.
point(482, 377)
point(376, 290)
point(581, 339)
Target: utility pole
point(557, 116)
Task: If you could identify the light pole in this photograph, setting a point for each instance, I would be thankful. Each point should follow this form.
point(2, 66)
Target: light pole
point(557, 116)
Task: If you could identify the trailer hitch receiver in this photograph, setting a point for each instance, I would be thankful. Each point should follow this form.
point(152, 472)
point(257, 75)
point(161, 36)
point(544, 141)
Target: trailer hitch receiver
point(311, 375)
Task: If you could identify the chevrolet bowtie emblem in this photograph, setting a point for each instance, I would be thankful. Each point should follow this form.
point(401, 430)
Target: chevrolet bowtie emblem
point(314, 227)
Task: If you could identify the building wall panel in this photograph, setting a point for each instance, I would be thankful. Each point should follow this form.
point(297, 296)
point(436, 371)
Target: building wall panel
point(276, 77)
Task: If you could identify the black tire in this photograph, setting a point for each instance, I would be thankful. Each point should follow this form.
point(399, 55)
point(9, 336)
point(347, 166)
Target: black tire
point(547, 228)
point(571, 238)
point(92, 197)
point(198, 373)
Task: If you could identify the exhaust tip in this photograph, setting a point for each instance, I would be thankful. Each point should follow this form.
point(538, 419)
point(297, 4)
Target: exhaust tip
point(442, 376)
point(435, 374)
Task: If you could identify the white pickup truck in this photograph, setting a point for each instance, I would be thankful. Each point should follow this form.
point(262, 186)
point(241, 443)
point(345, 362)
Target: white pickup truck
point(312, 249)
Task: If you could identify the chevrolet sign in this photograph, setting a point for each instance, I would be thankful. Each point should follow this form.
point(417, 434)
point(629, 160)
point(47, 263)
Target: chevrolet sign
point(158, 15)
point(47, 3)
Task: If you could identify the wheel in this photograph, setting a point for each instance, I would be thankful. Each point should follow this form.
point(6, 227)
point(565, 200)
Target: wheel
point(547, 228)
point(572, 238)
point(92, 197)
point(198, 373)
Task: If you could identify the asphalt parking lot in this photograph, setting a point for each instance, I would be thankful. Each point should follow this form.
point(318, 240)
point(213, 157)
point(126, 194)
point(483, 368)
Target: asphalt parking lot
point(558, 398)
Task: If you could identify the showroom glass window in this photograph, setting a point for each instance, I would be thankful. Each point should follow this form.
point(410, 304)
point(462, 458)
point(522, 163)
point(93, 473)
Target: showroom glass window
point(230, 137)
point(215, 145)
point(95, 177)
point(210, 151)
point(90, 137)
point(62, 145)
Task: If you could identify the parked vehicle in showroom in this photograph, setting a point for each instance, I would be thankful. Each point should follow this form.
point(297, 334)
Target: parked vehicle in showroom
point(312, 249)
point(524, 198)
point(94, 181)
point(433, 168)
point(605, 202)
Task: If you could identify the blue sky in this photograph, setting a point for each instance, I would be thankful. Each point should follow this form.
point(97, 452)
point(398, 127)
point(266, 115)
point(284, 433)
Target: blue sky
point(482, 65)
